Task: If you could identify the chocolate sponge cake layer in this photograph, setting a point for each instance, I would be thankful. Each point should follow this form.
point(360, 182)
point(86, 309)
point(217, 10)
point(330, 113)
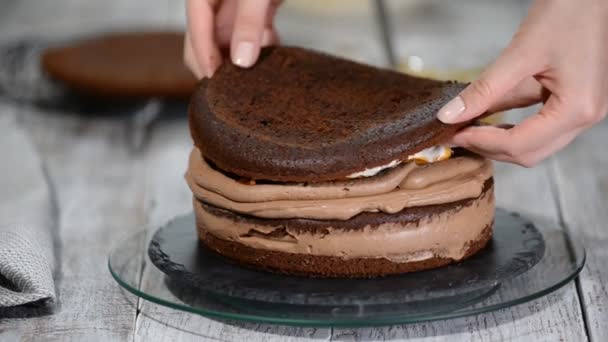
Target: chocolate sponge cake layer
point(123, 66)
point(303, 116)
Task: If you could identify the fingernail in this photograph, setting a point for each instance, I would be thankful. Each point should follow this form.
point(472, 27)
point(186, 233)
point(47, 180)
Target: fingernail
point(243, 54)
point(450, 112)
point(212, 64)
point(266, 37)
point(460, 138)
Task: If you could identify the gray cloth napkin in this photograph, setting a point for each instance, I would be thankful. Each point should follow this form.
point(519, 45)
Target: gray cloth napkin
point(27, 219)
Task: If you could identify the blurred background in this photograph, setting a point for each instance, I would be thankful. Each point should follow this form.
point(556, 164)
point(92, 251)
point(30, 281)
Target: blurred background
point(438, 38)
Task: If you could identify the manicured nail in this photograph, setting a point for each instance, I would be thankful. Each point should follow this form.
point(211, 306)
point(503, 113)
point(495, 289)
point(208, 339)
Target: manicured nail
point(212, 64)
point(451, 111)
point(266, 37)
point(460, 139)
point(243, 54)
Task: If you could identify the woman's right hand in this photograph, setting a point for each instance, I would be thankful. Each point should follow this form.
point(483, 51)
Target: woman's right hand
point(557, 58)
point(242, 25)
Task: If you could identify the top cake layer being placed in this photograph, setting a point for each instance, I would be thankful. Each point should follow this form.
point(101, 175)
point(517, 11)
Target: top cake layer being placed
point(303, 116)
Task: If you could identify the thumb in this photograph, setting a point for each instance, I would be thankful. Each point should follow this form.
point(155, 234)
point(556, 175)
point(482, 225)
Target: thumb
point(248, 34)
point(493, 83)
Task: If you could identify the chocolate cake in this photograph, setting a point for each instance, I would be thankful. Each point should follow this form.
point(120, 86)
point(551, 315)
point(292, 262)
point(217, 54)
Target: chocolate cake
point(312, 165)
point(123, 66)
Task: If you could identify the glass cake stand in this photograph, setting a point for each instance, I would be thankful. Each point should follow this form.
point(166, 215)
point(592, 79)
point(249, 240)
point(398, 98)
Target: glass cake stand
point(521, 263)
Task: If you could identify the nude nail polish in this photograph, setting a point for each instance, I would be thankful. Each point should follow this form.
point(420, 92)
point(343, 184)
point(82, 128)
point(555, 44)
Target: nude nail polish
point(450, 112)
point(243, 54)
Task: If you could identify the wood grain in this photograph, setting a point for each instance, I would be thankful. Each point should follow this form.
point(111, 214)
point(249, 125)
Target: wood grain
point(581, 176)
point(97, 180)
point(99, 197)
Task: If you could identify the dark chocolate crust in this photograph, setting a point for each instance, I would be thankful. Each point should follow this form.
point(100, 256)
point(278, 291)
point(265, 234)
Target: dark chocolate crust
point(366, 219)
point(327, 266)
point(303, 116)
point(123, 66)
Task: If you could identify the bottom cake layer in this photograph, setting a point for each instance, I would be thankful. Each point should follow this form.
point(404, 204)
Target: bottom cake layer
point(327, 266)
point(368, 245)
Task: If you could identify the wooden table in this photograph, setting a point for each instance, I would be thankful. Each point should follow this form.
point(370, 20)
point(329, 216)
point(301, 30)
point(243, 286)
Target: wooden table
point(107, 185)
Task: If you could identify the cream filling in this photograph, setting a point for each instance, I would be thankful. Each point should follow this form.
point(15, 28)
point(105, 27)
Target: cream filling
point(428, 155)
point(446, 235)
point(374, 170)
point(432, 154)
point(405, 186)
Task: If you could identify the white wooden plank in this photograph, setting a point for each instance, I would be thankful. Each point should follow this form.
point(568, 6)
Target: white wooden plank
point(99, 184)
point(100, 192)
point(582, 183)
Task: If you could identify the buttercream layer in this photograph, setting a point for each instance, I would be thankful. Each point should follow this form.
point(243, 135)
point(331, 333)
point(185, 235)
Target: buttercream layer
point(404, 186)
point(445, 231)
point(327, 266)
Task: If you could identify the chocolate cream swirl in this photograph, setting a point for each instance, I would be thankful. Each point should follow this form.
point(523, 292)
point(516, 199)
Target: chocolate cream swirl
point(406, 185)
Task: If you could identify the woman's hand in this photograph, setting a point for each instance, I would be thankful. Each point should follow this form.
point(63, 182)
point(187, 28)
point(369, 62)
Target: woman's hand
point(559, 56)
point(242, 25)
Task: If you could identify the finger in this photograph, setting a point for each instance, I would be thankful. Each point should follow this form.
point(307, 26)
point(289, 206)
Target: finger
point(224, 22)
point(493, 83)
point(249, 26)
point(528, 92)
point(273, 7)
point(202, 37)
point(225, 19)
point(189, 59)
point(270, 36)
point(541, 154)
point(531, 158)
point(513, 145)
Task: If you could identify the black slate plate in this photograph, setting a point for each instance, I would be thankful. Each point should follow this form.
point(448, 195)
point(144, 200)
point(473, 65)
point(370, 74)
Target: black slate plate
point(191, 268)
